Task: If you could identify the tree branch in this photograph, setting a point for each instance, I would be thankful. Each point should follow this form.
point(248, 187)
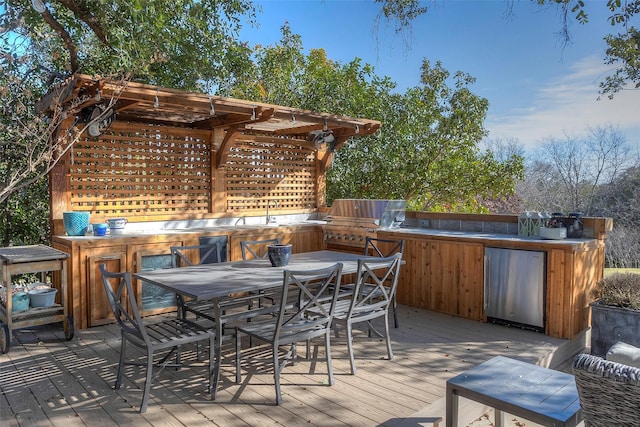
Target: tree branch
point(82, 12)
point(66, 39)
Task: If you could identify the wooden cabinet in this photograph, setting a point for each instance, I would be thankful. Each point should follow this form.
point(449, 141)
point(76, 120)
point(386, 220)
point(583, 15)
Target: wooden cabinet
point(446, 277)
point(86, 297)
point(446, 274)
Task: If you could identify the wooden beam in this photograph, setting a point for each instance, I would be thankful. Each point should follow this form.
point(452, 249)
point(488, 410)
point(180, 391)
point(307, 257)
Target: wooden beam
point(233, 119)
point(339, 142)
point(223, 151)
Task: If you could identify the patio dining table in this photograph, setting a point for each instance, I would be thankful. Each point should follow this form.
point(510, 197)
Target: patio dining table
point(212, 282)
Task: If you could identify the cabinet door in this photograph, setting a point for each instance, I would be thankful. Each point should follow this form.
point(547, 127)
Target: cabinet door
point(152, 299)
point(456, 274)
point(99, 309)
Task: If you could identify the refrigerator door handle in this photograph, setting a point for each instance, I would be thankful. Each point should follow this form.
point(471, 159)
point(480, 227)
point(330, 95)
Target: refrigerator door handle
point(486, 281)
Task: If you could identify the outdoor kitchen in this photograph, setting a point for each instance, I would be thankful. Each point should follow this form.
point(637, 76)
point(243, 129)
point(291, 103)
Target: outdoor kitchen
point(171, 168)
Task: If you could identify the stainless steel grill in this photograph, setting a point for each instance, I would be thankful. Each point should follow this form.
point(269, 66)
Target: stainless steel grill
point(351, 221)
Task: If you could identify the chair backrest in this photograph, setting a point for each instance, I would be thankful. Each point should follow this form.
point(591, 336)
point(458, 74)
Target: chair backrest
point(380, 278)
point(309, 315)
point(609, 391)
point(118, 289)
point(257, 249)
point(382, 247)
point(183, 256)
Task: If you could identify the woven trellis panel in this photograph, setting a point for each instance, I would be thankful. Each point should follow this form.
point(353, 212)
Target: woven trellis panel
point(142, 171)
point(259, 172)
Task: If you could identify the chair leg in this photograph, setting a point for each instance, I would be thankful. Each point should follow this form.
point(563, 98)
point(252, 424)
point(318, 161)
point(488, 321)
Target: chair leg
point(238, 357)
point(123, 350)
point(387, 335)
point(352, 358)
point(147, 383)
point(327, 343)
point(276, 374)
point(212, 385)
point(395, 312)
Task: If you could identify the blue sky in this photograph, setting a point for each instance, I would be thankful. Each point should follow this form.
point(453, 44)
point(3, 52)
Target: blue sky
point(535, 88)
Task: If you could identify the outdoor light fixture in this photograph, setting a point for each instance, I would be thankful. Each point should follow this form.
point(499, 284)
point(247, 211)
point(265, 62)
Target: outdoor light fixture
point(99, 120)
point(156, 103)
point(321, 137)
point(253, 113)
point(212, 111)
point(293, 117)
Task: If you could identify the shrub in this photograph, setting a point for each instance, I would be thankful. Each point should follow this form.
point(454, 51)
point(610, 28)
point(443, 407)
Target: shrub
point(619, 290)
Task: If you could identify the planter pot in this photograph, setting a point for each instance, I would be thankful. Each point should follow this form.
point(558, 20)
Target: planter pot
point(279, 255)
point(75, 223)
point(612, 324)
point(43, 297)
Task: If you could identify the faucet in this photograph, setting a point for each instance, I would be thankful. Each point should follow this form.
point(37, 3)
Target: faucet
point(271, 219)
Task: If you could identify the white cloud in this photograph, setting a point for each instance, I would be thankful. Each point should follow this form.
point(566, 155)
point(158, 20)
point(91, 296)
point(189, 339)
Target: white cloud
point(569, 105)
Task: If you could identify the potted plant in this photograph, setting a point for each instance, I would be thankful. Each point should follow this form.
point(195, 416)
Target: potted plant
point(615, 315)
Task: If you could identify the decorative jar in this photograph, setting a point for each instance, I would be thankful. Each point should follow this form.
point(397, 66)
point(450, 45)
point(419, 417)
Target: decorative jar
point(279, 254)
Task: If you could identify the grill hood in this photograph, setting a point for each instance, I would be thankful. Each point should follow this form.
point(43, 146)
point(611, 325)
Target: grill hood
point(366, 212)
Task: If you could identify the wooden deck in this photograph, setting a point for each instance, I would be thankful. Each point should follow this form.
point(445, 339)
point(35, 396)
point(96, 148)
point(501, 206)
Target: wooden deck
point(47, 381)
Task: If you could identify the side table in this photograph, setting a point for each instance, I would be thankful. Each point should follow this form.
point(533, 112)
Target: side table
point(537, 394)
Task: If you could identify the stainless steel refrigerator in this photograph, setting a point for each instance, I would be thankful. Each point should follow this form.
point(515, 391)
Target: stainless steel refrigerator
point(514, 287)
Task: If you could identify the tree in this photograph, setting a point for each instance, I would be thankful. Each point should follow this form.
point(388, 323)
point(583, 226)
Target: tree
point(568, 174)
point(427, 152)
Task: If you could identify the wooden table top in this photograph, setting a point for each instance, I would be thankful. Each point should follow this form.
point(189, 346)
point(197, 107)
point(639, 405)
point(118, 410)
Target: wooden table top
point(208, 281)
point(31, 253)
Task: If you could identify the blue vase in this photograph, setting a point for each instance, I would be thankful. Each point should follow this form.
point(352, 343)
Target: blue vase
point(279, 255)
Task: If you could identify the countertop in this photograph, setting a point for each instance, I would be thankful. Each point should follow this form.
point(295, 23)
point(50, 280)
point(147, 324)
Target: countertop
point(488, 239)
point(494, 239)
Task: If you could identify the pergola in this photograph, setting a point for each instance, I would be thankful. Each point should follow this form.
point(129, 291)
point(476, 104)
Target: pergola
point(153, 153)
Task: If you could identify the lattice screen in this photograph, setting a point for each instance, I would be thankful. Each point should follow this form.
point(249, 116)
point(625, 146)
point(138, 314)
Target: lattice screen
point(259, 172)
point(142, 171)
point(154, 172)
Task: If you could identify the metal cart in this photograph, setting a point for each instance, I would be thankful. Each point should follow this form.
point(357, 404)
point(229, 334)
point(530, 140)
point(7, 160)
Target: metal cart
point(32, 259)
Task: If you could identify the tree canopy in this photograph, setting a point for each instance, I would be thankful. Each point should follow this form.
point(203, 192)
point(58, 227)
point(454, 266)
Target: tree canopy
point(186, 44)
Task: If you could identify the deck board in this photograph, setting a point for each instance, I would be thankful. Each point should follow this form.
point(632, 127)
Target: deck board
point(48, 381)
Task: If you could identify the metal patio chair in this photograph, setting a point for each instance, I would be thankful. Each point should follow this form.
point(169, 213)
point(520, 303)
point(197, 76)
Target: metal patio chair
point(258, 249)
point(302, 318)
point(183, 256)
point(167, 335)
point(375, 288)
point(381, 248)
